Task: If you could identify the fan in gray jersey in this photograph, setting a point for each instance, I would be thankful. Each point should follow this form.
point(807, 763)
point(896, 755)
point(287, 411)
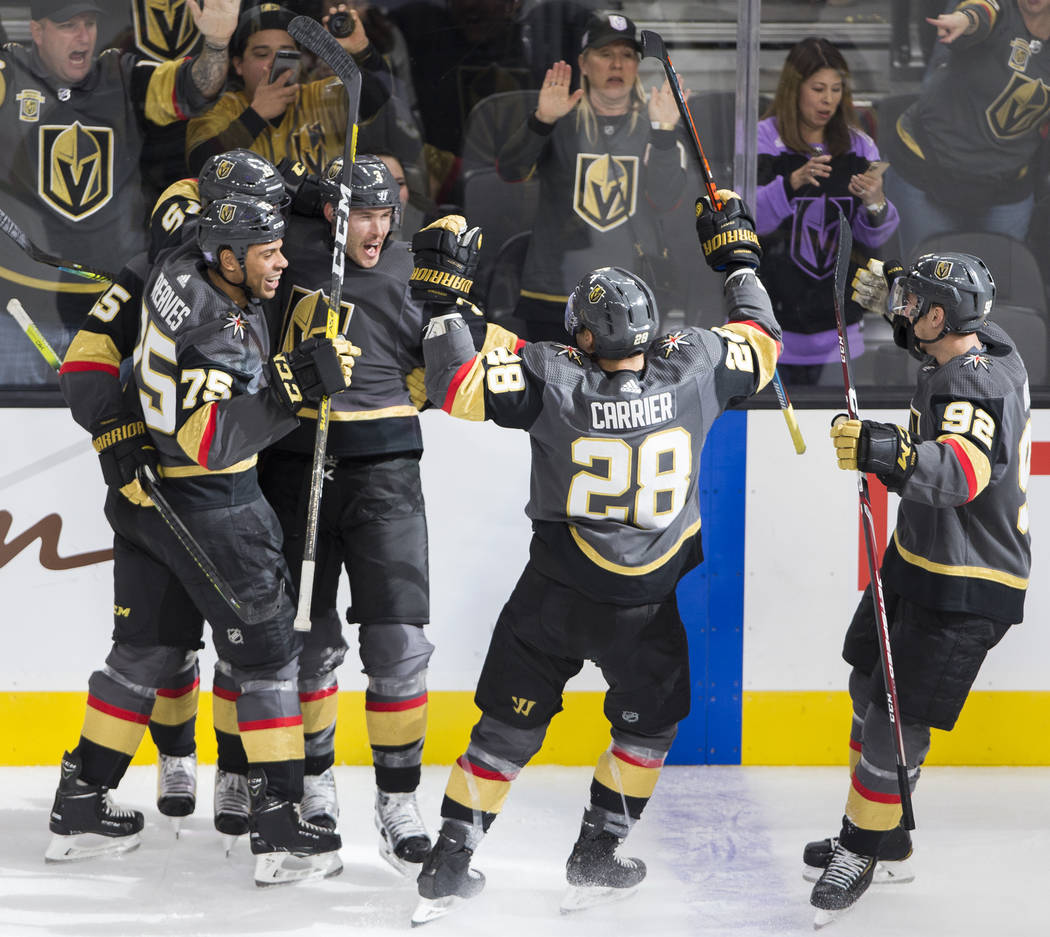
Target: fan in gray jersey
point(956, 570)
point(617, 423)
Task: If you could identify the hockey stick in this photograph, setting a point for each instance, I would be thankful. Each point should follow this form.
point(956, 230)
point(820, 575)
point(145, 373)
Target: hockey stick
point(8, 226)
point(653, 47)
point(34, 334)
point(310, 34)
point(881, 623)
point(251, 613)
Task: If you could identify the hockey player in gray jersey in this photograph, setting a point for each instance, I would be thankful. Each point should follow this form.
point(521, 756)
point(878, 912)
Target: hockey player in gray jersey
point(956, 570)
point(211, 398)
point(617, 423)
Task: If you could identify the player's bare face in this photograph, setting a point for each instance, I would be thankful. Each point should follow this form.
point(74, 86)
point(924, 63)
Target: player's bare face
point(259, 50)
point(611, 72)
point(365, 233)
point(263, 266)
point(67, 49)
point(818, 99)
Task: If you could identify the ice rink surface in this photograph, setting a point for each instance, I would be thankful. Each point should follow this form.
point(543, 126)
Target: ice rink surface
point(723, 846)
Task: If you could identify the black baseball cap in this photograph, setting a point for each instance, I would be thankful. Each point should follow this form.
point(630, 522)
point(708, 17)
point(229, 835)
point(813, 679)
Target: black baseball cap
point(257, 18)
point(603, 28)
point(60, 11)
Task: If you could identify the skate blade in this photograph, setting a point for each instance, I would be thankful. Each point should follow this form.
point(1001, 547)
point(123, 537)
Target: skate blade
point(823, 918)
point(229, 840)
point(886, 873)
point(401, 866)
point(430, 909)
point(582, 897)
point(88, 845)
point(284, 868)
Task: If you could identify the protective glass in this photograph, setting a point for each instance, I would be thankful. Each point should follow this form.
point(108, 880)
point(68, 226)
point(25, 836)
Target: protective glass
point(904, 300)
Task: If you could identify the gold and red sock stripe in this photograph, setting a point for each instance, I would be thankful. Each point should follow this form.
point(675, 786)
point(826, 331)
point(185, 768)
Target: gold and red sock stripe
point(395, 722)
point(113, 727)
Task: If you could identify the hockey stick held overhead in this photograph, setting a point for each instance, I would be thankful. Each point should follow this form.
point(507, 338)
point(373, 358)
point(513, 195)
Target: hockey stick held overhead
point(653, 47)
point(842, 261)
point(313, 36)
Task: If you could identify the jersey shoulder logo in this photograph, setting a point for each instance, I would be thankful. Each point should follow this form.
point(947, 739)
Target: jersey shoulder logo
point(76, 168)
point(573, 354)
point(163, 28)
point(29, 102)
point(672, 342)
point(235, 322)
point(976, 360)
point(605, 191)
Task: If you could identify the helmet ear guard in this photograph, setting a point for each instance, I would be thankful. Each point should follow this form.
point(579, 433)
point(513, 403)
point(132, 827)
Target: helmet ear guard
point(618, 309)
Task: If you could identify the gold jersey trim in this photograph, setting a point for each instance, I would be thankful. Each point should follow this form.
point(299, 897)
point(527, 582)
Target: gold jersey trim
point(764, 346)
point(190, 471)
point(982, 468)
point(595, 557)
point(971, 572)
point(342, 416)
point(546, 297)
point(909, 140)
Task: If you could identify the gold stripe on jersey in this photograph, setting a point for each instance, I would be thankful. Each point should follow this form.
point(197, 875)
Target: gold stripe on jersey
point(160, 95)
point(401, 409)
point(595, 557)
point(224, 714)
point(194, 430)
point(546, 297)
point(909, 141)
point(111, 731)
point(13, 276)
point(183, 188)
point(982, 468)
point(625, 778)
point(94, 348)
point(765, 348)
point(475, 792)
point(468, 403)
point(971, 572)
point(276, 743)
point(191, 471)
point(395, 727)
point(175, 710)
point(498, 337)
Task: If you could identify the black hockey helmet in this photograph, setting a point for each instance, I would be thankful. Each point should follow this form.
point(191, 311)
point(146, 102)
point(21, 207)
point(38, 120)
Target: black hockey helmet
point(241, 172)
point(372, 185)
point(618, 308)
point(960, 283)
point(237, 222)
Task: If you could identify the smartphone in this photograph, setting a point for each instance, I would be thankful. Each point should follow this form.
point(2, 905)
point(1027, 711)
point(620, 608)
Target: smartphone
point(876, 167)
point(285, 60)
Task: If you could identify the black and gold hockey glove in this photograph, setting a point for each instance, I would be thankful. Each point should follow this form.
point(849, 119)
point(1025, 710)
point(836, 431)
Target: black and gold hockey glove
point(727, 237)
point(871, 285)
point(302, 186)
point(886, 449)
point(123, 445)
point(446, 259)
point(313, 369)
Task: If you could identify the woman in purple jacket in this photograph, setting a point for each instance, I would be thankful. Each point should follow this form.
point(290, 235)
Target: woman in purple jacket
point(812, 161)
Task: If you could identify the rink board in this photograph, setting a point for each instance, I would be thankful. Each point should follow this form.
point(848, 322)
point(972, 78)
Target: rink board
point(765, 612)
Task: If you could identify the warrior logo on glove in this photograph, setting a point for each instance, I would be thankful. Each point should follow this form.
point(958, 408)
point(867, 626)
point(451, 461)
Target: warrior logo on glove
point(446, 259)
point(727, 237)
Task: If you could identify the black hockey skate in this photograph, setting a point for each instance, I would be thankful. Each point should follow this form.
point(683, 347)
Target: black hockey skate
point(286, 848)
point(84, 820)
point(893, 854)
point(845, 879)
point(403, 839)
point(447, 878)
point(595, 873)
point(232, 806)
point(176, 787)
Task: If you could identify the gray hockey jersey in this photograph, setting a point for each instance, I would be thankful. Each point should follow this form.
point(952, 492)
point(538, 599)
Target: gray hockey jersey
point(614, 500)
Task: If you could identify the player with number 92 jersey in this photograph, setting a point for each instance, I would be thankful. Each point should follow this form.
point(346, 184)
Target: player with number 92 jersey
point(614, 499)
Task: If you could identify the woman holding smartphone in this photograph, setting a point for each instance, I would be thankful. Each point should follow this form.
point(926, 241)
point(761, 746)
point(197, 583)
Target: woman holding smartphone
point(813, 159)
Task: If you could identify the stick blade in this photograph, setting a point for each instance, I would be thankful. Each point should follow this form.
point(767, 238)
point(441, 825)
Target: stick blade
point(653, 46)
point(309, 33)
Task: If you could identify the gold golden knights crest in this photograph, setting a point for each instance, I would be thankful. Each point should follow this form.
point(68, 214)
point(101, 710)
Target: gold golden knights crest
point(76, 168)
point(1021, 105)
point(306, 316)
point(164, 30)
point(605, 190)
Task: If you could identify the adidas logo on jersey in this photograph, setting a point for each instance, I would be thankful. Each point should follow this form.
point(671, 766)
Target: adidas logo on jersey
point(183, 280)
point(631, 386)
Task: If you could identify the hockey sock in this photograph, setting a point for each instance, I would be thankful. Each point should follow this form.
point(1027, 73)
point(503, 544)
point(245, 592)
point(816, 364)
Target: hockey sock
point(114, 722)
point(396, 716)
point(477, 788)
point(624, 779)
point(174, 721)
point(232, 757)
point(318, 700)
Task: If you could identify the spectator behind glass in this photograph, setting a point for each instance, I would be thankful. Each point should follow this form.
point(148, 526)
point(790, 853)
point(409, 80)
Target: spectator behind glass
point(962, 154)
point(73, 128)
point(812, 161)
point(609, 165)
point(284, 118)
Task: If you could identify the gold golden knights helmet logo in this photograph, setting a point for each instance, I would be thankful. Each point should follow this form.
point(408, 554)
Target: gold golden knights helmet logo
point(76, 168)
point(605, 190)
point(227, 213)
point(164, 29)
point(943, 270)
point(224, 168)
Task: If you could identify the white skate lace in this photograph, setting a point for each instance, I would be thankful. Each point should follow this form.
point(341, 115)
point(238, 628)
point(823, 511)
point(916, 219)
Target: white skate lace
point(845, 868)
point(319, 795)
point(231, 794)
point(178, 776)
point(400, 816)
point(113, 811)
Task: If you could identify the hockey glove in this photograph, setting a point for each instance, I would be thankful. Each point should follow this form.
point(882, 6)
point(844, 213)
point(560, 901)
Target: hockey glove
point(314, 369)
point(871, 285)
point(123, 445)
point(304, 193)
point(446, 259)
point(727, 237)
point(886, 449)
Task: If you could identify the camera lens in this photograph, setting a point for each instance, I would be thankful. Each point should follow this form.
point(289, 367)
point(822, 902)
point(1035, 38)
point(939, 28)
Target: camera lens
point(341, 25)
